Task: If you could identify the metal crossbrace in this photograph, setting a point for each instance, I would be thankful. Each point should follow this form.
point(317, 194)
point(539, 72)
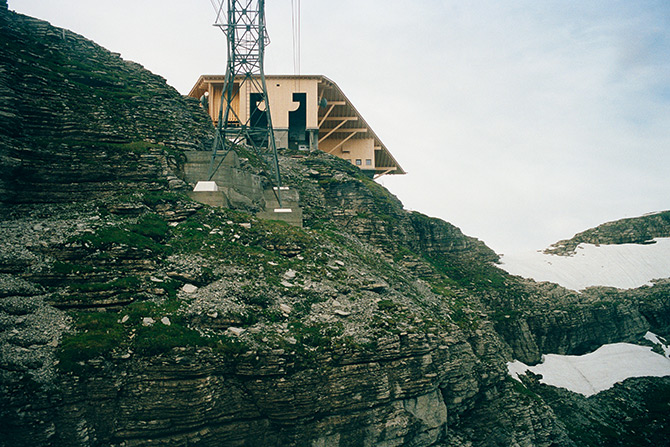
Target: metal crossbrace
point(243, 23)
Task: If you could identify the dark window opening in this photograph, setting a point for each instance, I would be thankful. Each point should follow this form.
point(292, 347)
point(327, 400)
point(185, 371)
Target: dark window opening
point(258, 119)
point(297, 121)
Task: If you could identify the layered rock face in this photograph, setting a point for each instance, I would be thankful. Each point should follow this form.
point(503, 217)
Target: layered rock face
point(132, 316)
point(76, 116)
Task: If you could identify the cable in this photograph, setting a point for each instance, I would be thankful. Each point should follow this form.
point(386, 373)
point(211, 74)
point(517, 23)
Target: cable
point(293, 33)
point(295, 26)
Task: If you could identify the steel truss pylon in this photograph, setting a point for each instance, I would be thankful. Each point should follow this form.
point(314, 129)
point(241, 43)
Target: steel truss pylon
point(243, 23)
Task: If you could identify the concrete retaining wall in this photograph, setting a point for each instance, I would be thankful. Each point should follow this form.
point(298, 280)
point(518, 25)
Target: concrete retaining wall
point(239, 189)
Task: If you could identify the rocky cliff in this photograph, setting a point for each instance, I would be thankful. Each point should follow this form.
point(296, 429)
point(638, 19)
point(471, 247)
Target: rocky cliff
point(130, 315)
point(634, 230)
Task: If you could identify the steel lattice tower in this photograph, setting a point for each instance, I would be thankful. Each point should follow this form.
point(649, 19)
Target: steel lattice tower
point(243, 23)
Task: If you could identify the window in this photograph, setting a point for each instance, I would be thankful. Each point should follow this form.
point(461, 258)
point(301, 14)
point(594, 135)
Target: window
point(368, 162)
point(358, 162)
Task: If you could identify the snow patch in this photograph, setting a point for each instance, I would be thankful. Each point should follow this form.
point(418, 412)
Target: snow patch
point(658, 341)
point(517, 368)
point(624, 266)
point(597, 371)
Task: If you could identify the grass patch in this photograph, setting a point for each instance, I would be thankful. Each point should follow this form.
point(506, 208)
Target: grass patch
point(154, 198)
point(125, 283)
point(144, 235)
point(159, 338)
point(66, 268)
point(318, 335)
point(104, 334)
point(151, 226)
point(96, 335)
point(108, 237)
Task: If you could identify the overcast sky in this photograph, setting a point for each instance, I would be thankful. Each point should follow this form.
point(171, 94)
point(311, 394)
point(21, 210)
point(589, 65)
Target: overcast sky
point(521, 122)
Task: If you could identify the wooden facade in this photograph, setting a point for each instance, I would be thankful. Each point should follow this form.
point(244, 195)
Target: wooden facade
point(309, 112)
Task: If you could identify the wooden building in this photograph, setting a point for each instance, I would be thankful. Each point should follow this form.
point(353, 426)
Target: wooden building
point(309, 112)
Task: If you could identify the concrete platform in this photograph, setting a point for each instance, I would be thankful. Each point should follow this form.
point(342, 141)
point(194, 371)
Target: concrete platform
point(289, 211)
point(211, 198)
point(234, 188)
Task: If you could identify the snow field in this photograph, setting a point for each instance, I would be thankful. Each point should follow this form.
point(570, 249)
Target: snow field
point(599, 370)
point(623, 266)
